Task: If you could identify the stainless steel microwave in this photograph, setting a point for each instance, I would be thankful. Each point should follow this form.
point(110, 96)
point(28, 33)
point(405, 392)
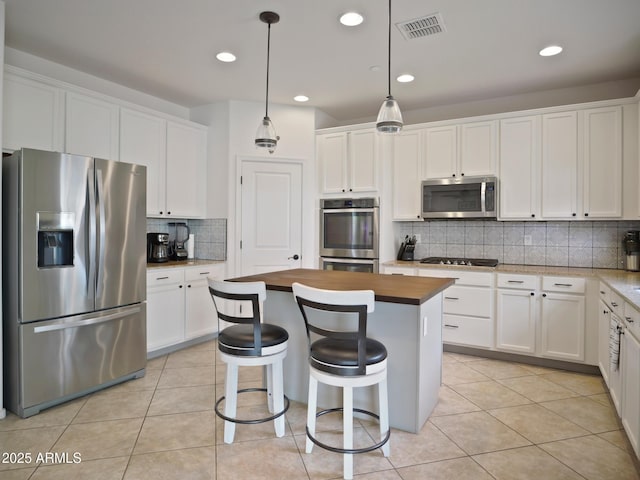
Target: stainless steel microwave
point(464, 197)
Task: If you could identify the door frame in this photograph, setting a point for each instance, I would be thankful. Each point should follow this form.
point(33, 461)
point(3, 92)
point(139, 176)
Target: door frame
point(309, 214)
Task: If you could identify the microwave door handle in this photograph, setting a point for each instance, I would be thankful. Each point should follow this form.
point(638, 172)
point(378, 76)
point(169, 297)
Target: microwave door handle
point(91, 268)
point(483, 196)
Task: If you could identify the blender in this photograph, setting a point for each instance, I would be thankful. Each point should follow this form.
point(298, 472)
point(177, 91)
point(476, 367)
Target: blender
point(178, 235)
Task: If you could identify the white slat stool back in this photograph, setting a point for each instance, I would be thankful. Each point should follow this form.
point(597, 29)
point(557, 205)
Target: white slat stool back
point(343, 357)
point(245, 340)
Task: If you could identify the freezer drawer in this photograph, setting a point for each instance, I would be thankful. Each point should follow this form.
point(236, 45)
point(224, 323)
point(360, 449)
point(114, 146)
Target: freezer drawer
point(72, 356)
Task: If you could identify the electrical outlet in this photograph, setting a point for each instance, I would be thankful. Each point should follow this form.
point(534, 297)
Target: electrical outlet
point(527, 240)
point(418, 238)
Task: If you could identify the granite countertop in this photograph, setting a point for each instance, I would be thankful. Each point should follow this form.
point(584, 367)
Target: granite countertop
point(387, 288)
point(192, 262)
point(624, 283)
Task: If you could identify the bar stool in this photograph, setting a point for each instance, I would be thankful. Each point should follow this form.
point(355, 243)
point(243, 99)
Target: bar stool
point(248, 342)
point(343, 358)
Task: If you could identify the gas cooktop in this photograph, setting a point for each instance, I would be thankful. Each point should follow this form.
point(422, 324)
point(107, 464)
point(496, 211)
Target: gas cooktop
point(470, 262)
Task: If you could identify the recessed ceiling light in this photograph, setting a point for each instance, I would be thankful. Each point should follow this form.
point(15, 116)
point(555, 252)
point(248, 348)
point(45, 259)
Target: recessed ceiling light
point(301, 98)
point(351, 19)
point(550, 50)
point(405, 78)
point(226, 57)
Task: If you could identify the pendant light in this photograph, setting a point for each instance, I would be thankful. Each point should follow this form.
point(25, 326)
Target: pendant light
point(266, 135)
point(389, 116)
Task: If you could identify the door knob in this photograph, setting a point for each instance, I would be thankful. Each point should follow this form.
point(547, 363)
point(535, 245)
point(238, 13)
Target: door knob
point(295, 257)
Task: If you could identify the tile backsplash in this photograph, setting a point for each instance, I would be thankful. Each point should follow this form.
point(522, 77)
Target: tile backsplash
point(210, 235)
point(568, 244)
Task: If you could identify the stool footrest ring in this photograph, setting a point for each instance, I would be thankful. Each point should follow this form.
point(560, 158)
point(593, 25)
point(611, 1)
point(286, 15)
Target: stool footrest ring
point(348, 450)
point(257, 420)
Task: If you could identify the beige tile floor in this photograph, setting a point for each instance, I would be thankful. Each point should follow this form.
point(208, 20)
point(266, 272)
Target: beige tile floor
point(494, 420)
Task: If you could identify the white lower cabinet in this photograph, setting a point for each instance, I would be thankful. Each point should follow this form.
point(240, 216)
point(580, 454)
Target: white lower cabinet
point(467, 307)
point(630, 368)
point(517, 314)
point(604, 322)
point(179, 307)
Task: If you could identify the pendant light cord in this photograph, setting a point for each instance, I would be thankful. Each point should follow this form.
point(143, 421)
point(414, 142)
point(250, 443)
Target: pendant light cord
point(389, 62)
point(266, 108)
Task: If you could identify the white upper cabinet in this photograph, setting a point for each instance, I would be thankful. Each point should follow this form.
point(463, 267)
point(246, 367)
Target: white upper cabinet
point(602, 161)
point(186, 170)
point(559, 165)
point(91, 126)
point(519, 173)
point(348, 161)
point(466, 149)
point(33, 115)
point(143, 140)
point(407, 175)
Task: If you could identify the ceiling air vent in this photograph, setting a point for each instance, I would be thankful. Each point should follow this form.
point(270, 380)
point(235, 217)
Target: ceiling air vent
point(422, 27)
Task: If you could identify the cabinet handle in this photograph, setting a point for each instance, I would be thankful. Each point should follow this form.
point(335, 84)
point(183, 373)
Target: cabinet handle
point(533, 215)
point(188, 286)
point(515, 281)
point(586, 214)
point(451, 326)
point(462, 174)
point(544, 294)
point(563, 284)
point(629, 319)
point(453, 175)
point(180, 286)
point(601, 292)
point(573, 215)
point(532, 294)
point(205, 273)
point(168, 213)
point(451, 298)
point(614, 304)
point(161, 278)
point(160, 212)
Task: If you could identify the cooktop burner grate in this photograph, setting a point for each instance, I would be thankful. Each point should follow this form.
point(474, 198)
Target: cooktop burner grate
point(471, 262)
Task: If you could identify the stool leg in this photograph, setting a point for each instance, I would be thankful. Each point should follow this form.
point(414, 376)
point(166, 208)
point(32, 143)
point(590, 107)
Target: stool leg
point(311, 411)
point(384, 415)
point(231, 401)
point(277, 394)
point(347, 405)
point(269, 375)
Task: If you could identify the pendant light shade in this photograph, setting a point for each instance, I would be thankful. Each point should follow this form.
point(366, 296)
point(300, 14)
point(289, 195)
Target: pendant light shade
point(389, 116)
point(266, 135)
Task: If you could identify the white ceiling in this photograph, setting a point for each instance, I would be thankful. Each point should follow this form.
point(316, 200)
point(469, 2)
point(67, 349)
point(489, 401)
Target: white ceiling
point(490, 48)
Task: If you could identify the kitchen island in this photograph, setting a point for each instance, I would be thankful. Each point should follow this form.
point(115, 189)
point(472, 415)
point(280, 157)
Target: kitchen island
point(407, 320)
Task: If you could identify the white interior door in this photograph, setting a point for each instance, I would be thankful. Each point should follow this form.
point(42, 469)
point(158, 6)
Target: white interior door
point(271, 210)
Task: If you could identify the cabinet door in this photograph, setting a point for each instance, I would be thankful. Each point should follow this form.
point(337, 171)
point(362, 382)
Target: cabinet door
point(363, 161)
point(604, 322)
point(477, 148)
point(33, 115)
point(143, 141)
point(186, 171)
point(441, 152)
point(516, 321)
point(562, 318)
point(559, 165)
point(200, 313)
point(91, 127)
point(165, 315)
point(406, 176)
point(519, 175)
point(332, 159)
point(602, 180)
point(629, 363)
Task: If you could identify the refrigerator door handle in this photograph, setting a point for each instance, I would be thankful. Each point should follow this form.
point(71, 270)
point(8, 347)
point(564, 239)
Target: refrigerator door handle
point(88, 321)
point(91, 270)
point(101, 234)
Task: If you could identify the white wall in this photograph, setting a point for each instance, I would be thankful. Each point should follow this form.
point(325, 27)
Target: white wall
point(2, 410)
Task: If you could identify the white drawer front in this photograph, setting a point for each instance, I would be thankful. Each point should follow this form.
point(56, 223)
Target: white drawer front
point(481, 279)
point(617, 304)
point(524, 282)
point(632, 317)
point(157, 277)
point(605, 293)
point(399, 271)
point(213, 271)
point(467, 331)
point(563, 284)
point(473, 301)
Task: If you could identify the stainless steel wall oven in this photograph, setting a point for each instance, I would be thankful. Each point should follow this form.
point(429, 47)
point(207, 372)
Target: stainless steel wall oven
point(349, 230)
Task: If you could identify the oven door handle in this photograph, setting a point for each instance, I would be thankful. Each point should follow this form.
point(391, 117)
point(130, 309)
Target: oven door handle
point(349, 210)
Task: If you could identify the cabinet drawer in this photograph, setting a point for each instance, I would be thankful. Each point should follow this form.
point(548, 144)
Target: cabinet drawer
point(472, 301)
point(461, 330)
point(164, 277)
point(617, 304)
point(563, 284)
point(399, 271)
point(605, 293)
point(480, 279)
point(196, 273)
point(632, 317)
point(524, 282)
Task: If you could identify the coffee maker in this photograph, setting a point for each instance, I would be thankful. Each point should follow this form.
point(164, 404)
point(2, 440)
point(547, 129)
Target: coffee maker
point(178, 235)
point(157, 247)
point(631, 245)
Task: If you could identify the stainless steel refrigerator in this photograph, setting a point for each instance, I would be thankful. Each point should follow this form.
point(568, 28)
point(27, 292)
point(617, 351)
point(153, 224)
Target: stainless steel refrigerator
point(74, 276)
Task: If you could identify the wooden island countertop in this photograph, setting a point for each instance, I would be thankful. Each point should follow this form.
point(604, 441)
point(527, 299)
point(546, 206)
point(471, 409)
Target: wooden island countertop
point(388, 288)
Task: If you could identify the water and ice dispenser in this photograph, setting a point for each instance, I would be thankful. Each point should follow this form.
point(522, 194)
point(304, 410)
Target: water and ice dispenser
point(55, 239)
